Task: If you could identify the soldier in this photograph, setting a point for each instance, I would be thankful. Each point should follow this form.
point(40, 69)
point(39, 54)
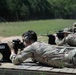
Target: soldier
point(69, 39)
point(41, 52)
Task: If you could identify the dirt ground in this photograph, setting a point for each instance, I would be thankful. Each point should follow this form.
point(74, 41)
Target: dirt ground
point(6, 39)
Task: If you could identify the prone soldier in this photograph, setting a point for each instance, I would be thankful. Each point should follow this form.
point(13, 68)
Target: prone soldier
point(68, 33)
point(69, 39)
point(42, 52)
point(55, 38)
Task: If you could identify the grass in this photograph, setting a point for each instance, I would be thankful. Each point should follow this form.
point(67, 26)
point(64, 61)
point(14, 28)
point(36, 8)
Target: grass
point(39, 26)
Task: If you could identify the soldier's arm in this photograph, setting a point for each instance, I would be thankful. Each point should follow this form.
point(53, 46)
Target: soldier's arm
point(23, 55)
point(60, 42)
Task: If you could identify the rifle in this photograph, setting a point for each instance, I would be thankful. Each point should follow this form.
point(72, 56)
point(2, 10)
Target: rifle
point(60, 34)
point(51, 37)
point(5, 50)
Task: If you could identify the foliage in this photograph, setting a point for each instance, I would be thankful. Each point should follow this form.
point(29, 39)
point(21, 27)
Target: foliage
point(17, 10)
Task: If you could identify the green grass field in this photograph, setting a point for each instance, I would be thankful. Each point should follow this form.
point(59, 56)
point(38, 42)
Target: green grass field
point(39, 26)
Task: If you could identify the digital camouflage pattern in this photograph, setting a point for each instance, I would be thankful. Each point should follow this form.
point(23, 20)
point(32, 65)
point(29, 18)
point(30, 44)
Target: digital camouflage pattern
point(68, 40)
point(47, 54)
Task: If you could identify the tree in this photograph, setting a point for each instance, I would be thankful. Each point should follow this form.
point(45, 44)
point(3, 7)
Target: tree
point(3, 10)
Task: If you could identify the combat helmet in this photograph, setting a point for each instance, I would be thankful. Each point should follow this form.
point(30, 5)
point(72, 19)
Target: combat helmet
point(66, 30)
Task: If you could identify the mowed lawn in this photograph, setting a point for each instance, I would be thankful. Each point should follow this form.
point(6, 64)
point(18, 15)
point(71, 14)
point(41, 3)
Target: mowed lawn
point(39, 26)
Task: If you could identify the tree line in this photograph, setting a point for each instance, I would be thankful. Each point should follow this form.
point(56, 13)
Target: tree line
point(21, 10)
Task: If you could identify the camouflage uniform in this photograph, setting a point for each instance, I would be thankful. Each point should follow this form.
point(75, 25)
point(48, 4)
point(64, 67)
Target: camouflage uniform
point(45, 54)
point(60, 41)
point(70, 40)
